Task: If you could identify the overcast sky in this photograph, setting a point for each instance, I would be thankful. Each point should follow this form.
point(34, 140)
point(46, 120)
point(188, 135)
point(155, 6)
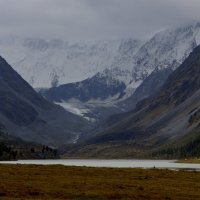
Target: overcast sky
point(94, 19)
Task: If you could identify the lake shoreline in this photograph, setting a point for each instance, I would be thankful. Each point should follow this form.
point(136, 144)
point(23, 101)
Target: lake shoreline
point(114, 163)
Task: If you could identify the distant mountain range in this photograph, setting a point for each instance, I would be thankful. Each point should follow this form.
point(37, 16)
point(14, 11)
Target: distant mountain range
point(137, 71)
point(26, 114)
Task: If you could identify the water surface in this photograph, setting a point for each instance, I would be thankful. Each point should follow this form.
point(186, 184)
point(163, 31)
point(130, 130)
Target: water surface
point(115, 163)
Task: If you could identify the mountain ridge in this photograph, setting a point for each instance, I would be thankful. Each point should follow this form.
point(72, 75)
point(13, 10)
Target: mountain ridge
point(26, 114)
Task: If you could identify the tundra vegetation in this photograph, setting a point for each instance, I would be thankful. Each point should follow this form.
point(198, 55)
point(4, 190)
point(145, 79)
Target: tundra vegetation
point(61, 182)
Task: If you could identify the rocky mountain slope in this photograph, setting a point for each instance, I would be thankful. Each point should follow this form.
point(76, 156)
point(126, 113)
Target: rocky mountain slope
point(171, 117)
point(97, 87)
point(152, 84)
point(26, 114)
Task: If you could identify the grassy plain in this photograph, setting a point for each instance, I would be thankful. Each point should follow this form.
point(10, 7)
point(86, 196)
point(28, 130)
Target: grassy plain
point(60, 182)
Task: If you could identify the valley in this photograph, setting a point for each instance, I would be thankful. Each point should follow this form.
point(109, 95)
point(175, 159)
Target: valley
point(140, 102)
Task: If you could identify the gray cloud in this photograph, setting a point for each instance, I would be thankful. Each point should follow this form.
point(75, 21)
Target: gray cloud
point(94, 19)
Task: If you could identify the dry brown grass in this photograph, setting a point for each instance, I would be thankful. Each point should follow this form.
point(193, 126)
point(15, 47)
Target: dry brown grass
point(60, 182)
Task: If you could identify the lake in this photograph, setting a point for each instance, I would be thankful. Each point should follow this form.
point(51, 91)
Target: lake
point(115, 163)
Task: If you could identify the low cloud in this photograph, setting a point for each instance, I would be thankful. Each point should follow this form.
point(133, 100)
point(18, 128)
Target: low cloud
point(94, 19)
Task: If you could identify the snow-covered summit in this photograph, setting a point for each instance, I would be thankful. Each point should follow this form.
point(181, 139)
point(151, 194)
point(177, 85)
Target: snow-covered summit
point(168, 48)
point(47, 63)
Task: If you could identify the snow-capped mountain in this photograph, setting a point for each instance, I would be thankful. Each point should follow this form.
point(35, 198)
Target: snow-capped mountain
point(166, 49)
point(132, 63)
point(128, 61)
point(50, 63)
